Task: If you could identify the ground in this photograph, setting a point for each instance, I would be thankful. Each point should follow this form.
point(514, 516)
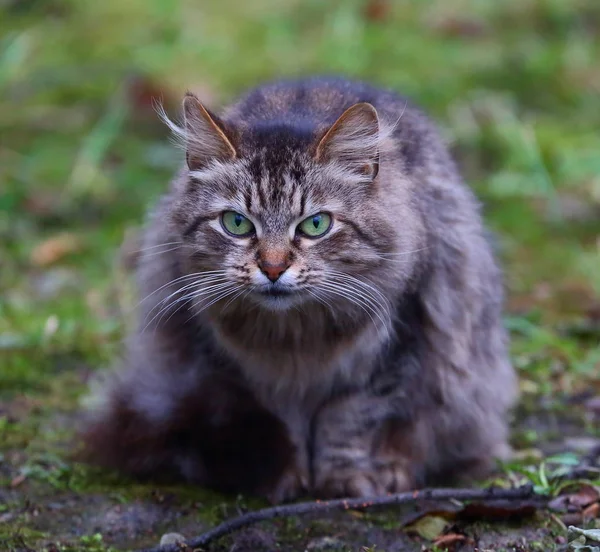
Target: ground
point(514, 85)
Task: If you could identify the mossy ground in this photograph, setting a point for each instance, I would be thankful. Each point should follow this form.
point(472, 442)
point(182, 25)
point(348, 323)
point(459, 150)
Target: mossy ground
point(515, 85)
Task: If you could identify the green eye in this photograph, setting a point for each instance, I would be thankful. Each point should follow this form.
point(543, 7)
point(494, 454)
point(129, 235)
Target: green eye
point(236, 224)
point(315, 226)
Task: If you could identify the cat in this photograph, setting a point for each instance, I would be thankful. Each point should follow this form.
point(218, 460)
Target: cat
point(321, 309)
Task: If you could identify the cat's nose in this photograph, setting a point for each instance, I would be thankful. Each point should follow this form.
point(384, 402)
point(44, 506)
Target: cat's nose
point(273, 267)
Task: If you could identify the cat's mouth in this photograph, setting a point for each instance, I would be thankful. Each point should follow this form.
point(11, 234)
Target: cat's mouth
point(277, 298)
point(273, 291)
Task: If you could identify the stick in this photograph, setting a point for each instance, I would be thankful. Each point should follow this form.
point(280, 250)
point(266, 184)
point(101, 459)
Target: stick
point(344, 504)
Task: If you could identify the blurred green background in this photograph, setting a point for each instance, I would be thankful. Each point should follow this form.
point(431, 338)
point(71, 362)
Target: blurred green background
point(515, 84)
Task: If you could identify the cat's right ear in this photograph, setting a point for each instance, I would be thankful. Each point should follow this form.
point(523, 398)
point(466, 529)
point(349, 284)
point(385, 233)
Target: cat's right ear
point(205, 135)
point(353, 140)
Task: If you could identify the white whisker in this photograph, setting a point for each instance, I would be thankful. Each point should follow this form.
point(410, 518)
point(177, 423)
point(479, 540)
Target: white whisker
point(359, 303)
point(196, 283)
point(158, 245)
point(402, 253)
point(370, 290)
point(165, 304)
point(179, 279)
point(355, 296)
point(206, 292)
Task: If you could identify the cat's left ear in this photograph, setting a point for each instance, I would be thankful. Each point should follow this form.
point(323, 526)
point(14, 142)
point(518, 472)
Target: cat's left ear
point(353, 140)
point(206, 137)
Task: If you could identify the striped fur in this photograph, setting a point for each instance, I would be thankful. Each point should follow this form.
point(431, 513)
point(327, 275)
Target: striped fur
point(384, 366)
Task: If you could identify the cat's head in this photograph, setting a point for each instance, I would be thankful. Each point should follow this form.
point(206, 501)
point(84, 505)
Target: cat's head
point(285, 213)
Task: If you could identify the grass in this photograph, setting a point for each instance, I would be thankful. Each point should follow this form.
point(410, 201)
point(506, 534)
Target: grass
point(514, 85)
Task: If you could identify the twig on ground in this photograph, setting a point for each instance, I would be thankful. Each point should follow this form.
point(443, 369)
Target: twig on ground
point(286, 510)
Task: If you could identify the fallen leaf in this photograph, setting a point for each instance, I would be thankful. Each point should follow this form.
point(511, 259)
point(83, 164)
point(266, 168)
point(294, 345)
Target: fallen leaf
point(591, 512)
point(377, 10)
point(54, 249)
point(590, 534)
point(16, 481)
point(575, 501)
point(429, 527)
point(450, 538)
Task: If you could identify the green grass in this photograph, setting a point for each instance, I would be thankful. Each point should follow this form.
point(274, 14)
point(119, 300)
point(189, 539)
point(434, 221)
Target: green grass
point(515, 85)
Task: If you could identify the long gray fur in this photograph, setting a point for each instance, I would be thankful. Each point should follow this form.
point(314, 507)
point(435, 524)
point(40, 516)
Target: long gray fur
point(387, 368)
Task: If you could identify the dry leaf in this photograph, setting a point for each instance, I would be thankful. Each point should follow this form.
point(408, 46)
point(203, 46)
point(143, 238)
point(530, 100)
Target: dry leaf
point(18, 480)
point(575, 501)
point(449, 539)
point(591, 512)
point(429, 527)
point(592, 535)
point(54, 249)
point(377, 10)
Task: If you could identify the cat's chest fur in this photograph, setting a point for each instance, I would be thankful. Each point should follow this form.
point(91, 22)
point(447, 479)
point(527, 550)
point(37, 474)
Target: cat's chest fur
point(303, 355)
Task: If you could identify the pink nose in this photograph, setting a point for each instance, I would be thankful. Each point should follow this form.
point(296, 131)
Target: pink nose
point(273, 271)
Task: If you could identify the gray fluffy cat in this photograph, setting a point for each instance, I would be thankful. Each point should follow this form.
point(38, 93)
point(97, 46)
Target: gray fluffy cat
point(321, 309)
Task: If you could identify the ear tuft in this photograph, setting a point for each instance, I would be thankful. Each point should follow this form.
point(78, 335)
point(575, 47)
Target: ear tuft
point(353, 140)
point(205, 135)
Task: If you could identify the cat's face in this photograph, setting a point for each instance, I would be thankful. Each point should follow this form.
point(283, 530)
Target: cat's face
point(286, 226)
point(284, 237)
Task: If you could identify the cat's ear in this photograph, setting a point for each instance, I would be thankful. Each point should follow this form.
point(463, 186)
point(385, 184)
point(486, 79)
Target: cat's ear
point(205, 135)
point(353, 140)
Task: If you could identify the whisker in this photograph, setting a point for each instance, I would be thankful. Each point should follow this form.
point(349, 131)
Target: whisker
point(359, 304)
point(355, 296)
point(403, 253)
point(196, 283)
point(220, 297)
point(200, 290)
point(244, 291)
point(368, 289)
point(372, 294)
point(179, 279)
point(166, 303)
point(208, 291)
point(320, 299)
point(158, 245)
point(163, 251)
point(213, 297)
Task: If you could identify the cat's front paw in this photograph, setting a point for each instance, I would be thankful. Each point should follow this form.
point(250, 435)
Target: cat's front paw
point(292, 484)
point(391, 477)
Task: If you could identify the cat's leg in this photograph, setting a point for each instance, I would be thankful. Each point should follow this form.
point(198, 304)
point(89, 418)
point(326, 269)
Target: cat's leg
point(360, 451)
point(468, 432)
point(367, 444)
point(296, 479)
point(209, 430)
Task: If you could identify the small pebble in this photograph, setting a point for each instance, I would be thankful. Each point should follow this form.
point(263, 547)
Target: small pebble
point(325, 543)
point(171, 538)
